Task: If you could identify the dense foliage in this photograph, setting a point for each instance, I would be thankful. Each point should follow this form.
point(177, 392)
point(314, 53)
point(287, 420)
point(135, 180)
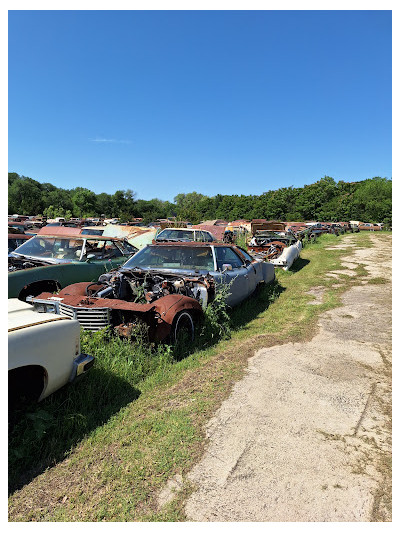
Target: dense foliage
point(369, 200)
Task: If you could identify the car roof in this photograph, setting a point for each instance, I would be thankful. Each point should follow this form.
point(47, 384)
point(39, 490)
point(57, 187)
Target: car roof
point(180, 229)
point(196, 244)
point(22, 236)
point(80, 236)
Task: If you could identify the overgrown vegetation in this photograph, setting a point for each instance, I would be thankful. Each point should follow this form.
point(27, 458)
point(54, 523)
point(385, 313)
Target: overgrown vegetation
point(369, 200)
point(136, 420)
point(44, 433)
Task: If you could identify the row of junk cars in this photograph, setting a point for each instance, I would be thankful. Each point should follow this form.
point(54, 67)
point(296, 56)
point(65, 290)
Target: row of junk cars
point(63, 277)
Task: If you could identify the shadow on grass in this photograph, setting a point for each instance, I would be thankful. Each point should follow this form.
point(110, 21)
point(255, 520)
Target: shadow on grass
point(256, 304)
point(41, 434)
point(44, 433)
point(299, 264)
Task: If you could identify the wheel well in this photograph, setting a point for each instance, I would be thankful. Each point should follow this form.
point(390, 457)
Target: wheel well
point(26, 382)
point(178, 316)
point(37, 287)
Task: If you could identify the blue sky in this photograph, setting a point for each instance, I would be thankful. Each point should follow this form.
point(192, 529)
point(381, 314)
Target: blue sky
point(230, 102)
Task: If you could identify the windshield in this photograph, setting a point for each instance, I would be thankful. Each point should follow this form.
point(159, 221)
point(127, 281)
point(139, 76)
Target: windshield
point(52, 248)
point(88, 231)
point(175, 234)
point(174, 257)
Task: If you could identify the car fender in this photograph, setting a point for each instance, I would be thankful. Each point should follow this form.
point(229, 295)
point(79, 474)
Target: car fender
point(168, 307)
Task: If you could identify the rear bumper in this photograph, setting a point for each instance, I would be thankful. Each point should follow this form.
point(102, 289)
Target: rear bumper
point(81, 365)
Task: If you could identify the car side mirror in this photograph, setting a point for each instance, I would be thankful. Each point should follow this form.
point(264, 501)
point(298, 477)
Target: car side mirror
point(226, 266)
point(90, 257)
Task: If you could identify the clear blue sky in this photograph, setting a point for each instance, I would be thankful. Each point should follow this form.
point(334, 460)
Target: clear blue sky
point(230, 102)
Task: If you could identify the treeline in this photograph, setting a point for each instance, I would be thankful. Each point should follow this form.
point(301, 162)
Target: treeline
point(369, 200)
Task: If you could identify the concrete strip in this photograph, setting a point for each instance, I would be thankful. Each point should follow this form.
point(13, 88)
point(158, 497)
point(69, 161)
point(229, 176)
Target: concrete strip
point(300, 436)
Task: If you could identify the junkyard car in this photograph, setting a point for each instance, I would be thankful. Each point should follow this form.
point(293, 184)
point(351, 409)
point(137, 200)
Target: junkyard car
point(15, 240)
point(366, 226)
point(165, 285)
point(272, 243)
point(50, 262)
point(43, 352)
point(184, 235)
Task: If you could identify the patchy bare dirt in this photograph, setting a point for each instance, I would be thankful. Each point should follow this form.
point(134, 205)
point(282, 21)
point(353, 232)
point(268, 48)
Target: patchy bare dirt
point(306, 434)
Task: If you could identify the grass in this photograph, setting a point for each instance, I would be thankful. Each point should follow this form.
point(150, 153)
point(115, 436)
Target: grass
point(378, 281)
point(137, 419)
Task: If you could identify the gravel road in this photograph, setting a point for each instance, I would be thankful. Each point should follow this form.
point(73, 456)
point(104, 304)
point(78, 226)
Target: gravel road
point(306, 434)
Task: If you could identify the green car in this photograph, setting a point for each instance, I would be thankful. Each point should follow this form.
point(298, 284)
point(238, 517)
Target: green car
point(53, 262)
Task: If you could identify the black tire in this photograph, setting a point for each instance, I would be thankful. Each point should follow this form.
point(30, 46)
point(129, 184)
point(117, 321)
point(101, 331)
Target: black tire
point(183, 328)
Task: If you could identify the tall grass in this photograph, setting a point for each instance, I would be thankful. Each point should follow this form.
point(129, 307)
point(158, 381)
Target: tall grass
point(42, 434)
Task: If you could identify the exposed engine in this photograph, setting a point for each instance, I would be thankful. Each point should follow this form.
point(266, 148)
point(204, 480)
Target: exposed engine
point(145, 287)
point(22, 263)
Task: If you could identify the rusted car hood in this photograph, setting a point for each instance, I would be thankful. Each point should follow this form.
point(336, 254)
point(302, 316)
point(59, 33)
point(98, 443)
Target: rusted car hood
point(269, 225)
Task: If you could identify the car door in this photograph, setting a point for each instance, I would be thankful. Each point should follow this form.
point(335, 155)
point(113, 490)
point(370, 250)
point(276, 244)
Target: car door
point(102, 257)
point(254, 270)
point(236, 278)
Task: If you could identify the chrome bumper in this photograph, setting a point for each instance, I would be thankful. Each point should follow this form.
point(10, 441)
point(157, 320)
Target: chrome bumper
point(81, 364)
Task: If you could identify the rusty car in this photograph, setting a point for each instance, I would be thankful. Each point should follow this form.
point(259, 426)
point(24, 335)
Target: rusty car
point(271, 242)
point(367, 226)
point(16, 239)
point(167, 286)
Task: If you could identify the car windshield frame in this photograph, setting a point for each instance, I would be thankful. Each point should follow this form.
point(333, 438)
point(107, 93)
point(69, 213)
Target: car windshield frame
point(177, 254)
point(166, 231)
point(59, 255)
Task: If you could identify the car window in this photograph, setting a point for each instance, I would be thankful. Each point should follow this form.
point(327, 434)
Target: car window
point(47, 247)
point(174, 257)
point(208, 237)
point(175, 234)
point(101, 249)
point(98, 232)
point(246, 255)
point(226, 255)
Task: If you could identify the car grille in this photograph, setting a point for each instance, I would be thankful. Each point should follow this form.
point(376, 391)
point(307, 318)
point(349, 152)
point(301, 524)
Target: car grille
point(93, 319)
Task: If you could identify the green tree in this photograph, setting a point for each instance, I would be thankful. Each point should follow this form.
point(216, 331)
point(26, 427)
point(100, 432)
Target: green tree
point(84, 202)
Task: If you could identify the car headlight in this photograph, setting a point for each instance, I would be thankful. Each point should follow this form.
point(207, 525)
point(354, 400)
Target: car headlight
point(45, 307)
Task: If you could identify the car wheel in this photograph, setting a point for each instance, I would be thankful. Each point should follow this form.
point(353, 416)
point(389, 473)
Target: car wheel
point(183, 328)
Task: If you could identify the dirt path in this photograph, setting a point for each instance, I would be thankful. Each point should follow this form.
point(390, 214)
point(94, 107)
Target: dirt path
point(306, 435)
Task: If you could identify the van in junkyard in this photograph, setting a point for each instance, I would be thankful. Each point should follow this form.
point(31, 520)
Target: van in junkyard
point(167, 286)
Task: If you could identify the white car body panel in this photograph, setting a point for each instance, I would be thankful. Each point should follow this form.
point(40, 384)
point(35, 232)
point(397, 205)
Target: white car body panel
point(47, 340)
point(288, 256)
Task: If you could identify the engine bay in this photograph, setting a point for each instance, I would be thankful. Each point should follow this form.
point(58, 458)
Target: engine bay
point(141, 286)
point(22, 263)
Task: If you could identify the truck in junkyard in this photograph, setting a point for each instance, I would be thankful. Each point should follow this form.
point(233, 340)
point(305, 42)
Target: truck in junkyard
point(43, 352)
point(271, 242)
point(166, 286)
point(47, 262)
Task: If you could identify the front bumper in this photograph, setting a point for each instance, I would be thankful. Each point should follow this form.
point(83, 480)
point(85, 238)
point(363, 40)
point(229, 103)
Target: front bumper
point(81, 365)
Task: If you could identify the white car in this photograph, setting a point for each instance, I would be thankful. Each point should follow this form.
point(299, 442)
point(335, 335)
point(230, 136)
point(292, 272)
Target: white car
point(43, 351)
point(184, 235)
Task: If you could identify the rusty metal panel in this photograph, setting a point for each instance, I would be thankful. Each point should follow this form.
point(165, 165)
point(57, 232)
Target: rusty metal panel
point(135, 235)
point(216, 231)
point(59, 231)
point(266, 225)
